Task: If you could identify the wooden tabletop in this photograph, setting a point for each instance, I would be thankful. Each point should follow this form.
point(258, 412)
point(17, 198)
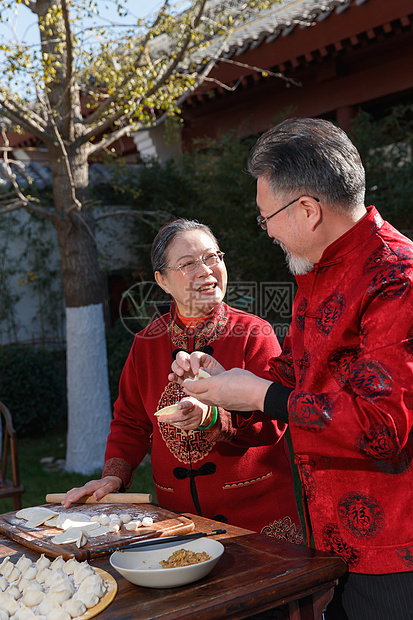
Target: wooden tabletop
point(256, 573)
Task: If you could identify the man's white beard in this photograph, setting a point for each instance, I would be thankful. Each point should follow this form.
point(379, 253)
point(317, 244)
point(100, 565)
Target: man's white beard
point(297, 266)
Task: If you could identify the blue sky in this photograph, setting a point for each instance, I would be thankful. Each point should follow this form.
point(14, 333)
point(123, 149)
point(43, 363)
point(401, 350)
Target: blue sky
point(23, 24)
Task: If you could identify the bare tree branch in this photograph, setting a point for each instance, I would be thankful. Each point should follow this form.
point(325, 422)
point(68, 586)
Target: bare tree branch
point(28, 120)
point(93, 118)
point(138, 214)
point(20, 202)
point(117, 134)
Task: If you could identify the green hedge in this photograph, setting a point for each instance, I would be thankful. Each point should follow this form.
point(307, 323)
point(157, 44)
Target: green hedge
point(32, 386)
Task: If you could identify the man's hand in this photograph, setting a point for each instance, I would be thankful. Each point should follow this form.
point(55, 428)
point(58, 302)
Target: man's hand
point(186, 366)
point(234, 390)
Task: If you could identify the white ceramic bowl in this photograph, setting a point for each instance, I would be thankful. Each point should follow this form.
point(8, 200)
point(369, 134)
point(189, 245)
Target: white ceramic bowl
point(141, 566)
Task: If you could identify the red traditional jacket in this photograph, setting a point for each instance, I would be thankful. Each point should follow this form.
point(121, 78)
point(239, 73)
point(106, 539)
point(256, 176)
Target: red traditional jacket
point(240, 472)
point(349, 358)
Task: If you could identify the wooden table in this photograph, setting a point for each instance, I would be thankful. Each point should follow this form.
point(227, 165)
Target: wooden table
point(255, 574)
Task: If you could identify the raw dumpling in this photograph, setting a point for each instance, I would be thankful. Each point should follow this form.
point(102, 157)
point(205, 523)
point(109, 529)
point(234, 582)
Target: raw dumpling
point(13, 591)
point(32, 597)
point(43, 562)
point(74, 607)
point(3, 583)
point(82, 573)
point(10, 605)
point(57, 563)
point(23, 583)
point(43, 574)
point(23, 563)
point(47, 605)
point(88, 598)
point(56, 577)
point(61, 593)
point(24, 613)
point(70, 566)
point(94, 584)
point(30, 572)
point(6, 568)
point(58, 614)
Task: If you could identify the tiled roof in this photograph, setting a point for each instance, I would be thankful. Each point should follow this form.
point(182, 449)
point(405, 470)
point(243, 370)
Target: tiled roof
point(280, 20)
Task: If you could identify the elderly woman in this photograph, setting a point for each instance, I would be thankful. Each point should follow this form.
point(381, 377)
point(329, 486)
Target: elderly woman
point(205, 460)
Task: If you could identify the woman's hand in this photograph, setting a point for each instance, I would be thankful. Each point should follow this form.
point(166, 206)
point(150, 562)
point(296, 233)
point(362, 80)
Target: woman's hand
point(97, 488)
point(189, 416)
point(186, 366)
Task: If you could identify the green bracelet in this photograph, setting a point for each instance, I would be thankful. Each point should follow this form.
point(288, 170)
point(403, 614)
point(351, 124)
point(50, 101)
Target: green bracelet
point(213, 421)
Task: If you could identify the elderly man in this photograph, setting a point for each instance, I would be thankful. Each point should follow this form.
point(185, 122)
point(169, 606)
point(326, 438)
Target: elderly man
point(344, 380)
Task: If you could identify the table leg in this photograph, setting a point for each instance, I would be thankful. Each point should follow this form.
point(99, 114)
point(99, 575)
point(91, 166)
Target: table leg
point(310, 607)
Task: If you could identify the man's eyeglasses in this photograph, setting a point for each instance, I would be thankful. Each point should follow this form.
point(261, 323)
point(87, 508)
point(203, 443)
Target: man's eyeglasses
point(192, 265)
point(262, 221)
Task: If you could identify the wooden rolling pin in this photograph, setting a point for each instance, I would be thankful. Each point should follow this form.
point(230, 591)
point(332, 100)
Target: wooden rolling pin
point(110, 498)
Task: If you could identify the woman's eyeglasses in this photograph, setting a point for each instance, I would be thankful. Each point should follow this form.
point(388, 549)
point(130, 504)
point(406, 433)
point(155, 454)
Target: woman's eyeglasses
point(191, 266)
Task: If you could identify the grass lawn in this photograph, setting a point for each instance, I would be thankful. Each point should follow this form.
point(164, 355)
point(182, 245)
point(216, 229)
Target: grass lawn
point(38, 480)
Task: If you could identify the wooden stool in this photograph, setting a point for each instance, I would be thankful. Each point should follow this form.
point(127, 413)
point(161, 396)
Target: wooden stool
point(10, 488)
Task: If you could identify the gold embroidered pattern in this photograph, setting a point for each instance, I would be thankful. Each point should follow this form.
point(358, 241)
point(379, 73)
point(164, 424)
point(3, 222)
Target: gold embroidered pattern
point(180, 443)
point(244, 483)
point(284, 529)
point(207, 333)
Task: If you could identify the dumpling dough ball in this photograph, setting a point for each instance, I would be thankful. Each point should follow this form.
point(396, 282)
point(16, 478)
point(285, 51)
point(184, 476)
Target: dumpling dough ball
point(125, 517)
point(95, 519)
point(133, 525)
point(74, 607)
point(147, 521)
point(113, 516)
point(114, 527)
point(105, 520)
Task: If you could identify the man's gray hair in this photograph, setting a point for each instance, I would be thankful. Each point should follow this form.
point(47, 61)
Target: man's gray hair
point(313, 157)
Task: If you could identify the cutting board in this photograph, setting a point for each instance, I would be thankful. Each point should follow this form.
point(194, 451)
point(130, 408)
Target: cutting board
point(165, 523)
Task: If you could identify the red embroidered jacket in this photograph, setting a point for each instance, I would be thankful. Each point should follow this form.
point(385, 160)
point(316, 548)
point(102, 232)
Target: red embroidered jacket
point(349, 358)
point(241, 472)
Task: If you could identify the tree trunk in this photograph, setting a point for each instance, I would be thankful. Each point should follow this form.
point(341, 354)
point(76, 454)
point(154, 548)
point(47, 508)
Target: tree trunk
point(88, 397)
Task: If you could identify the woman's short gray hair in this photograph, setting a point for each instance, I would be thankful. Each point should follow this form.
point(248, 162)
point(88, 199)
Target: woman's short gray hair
point(168, 233)
point(310, 156)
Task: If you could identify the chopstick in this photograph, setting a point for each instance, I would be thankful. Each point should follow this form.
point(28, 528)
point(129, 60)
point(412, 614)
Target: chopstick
point(158, 541)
